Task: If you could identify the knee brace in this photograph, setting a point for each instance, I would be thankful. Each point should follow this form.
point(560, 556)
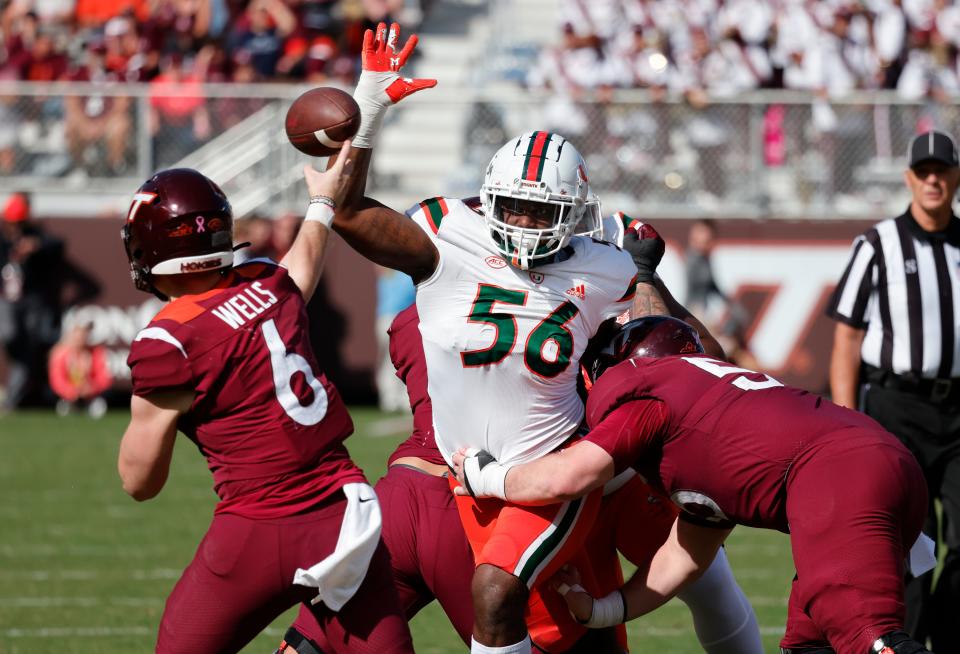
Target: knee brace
point(298, 642)
point(897, 642)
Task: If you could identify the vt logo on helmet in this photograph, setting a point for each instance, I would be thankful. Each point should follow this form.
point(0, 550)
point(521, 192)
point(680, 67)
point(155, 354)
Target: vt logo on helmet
point(535, 194)
point(179, 222)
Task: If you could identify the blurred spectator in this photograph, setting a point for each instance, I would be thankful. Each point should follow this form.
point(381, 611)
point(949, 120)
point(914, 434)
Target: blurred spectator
point(30, 262)
point(395, 292)
point(285, 229)
point(98, 127)
point(94, 13)
point(319, 58)
point(42, 62)
point(571, 70)
point(9, 120)
point(258, 232)
point(701, 285)
point(78, 373)
point(723, 316)
point(179, 118)
point(179, 26)
point(261, 31)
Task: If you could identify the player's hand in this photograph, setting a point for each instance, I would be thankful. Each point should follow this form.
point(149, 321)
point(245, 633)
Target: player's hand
point(479, 474)
point(380, 85)
point(380, 56)
point(580, 603)
point(331, 183)
point(458, 458)
point(647, 247)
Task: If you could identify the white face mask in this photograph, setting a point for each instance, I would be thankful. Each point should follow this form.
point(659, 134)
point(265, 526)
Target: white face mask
point(528, 240)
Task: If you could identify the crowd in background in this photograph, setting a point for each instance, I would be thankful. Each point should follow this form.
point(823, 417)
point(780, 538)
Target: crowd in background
point(175, 46)
point(722, 48)
point(200, 40)
point(705, 52)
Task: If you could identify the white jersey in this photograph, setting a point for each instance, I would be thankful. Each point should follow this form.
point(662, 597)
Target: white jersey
point(502, 344)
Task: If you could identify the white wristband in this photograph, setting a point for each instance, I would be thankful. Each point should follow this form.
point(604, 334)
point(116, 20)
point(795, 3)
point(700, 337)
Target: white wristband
point(319, 212)
point(373, 101)
point(484, 477)
point(608, 611)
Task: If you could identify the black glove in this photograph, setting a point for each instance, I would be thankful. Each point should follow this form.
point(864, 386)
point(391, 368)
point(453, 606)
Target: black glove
point(646, 247)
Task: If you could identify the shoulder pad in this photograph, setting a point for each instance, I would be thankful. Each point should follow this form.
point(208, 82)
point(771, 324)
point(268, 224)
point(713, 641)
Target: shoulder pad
point(434, 210)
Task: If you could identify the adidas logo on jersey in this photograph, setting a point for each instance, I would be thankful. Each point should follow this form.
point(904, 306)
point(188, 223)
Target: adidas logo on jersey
point(577, 291)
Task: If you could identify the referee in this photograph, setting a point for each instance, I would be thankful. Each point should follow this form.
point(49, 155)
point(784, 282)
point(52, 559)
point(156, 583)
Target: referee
point(896, 349)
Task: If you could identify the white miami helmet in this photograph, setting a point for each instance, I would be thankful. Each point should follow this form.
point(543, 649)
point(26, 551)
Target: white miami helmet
point(544, 168)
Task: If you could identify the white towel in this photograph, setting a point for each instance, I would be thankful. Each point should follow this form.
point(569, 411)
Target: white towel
point(922, 558)
point(339, 575)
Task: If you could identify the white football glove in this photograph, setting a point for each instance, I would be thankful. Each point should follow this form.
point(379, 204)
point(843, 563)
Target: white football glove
point(380, 84)
point(482, 475)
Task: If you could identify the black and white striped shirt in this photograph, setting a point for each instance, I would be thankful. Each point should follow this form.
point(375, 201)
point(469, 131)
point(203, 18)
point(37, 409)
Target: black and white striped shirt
point(902, 285)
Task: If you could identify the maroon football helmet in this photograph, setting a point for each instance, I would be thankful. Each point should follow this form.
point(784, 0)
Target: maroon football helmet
point(179, 222)
point(652, 336)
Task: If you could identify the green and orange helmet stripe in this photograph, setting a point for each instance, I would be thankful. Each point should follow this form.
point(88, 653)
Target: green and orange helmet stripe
point(536, 155)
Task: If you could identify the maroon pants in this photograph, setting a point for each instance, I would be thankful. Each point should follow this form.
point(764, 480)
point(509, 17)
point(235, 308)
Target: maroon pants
point(429, 553)
point(241, 579)
point(855, 507)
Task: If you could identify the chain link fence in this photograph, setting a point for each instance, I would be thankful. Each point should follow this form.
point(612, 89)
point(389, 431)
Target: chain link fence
point(769, 154)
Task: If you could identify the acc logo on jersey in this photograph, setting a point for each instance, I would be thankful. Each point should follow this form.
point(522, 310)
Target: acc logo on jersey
point(699, 505)
point(495, 262)
point(536, 278)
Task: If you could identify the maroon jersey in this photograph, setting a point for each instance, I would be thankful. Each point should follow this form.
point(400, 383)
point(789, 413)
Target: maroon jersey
point(406, 352)
point(723, 442)
point(268, 422)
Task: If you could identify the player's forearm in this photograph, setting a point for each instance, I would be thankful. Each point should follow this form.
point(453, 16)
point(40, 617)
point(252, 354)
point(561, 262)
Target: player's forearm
point(560, 476)
point(845, 365)
point(304, 261)
point(648, 302)
point(682, 558)
point(144, 461)
point(147, 445)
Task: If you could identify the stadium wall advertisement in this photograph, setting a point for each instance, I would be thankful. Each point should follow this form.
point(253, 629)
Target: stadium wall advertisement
point(780, 271)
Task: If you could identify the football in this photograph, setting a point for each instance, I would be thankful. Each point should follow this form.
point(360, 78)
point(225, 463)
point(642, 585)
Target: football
point(320, 120)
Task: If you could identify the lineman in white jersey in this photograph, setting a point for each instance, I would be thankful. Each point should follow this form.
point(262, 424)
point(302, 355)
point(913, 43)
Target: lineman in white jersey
point(509, 337)
point(505, 316)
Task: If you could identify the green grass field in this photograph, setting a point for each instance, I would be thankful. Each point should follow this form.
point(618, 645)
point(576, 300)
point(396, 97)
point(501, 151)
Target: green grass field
point(83, 568)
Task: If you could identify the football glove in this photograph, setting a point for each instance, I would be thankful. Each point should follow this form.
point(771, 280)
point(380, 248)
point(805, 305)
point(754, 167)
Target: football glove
point(482, 475)
point(380, 84)
point(646, 247)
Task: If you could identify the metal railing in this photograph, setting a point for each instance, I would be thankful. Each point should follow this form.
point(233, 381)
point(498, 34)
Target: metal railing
point(766, 154)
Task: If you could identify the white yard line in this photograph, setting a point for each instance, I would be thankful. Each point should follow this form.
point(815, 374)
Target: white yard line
point(76, 632)
point(87, 575)
point(57, 602)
